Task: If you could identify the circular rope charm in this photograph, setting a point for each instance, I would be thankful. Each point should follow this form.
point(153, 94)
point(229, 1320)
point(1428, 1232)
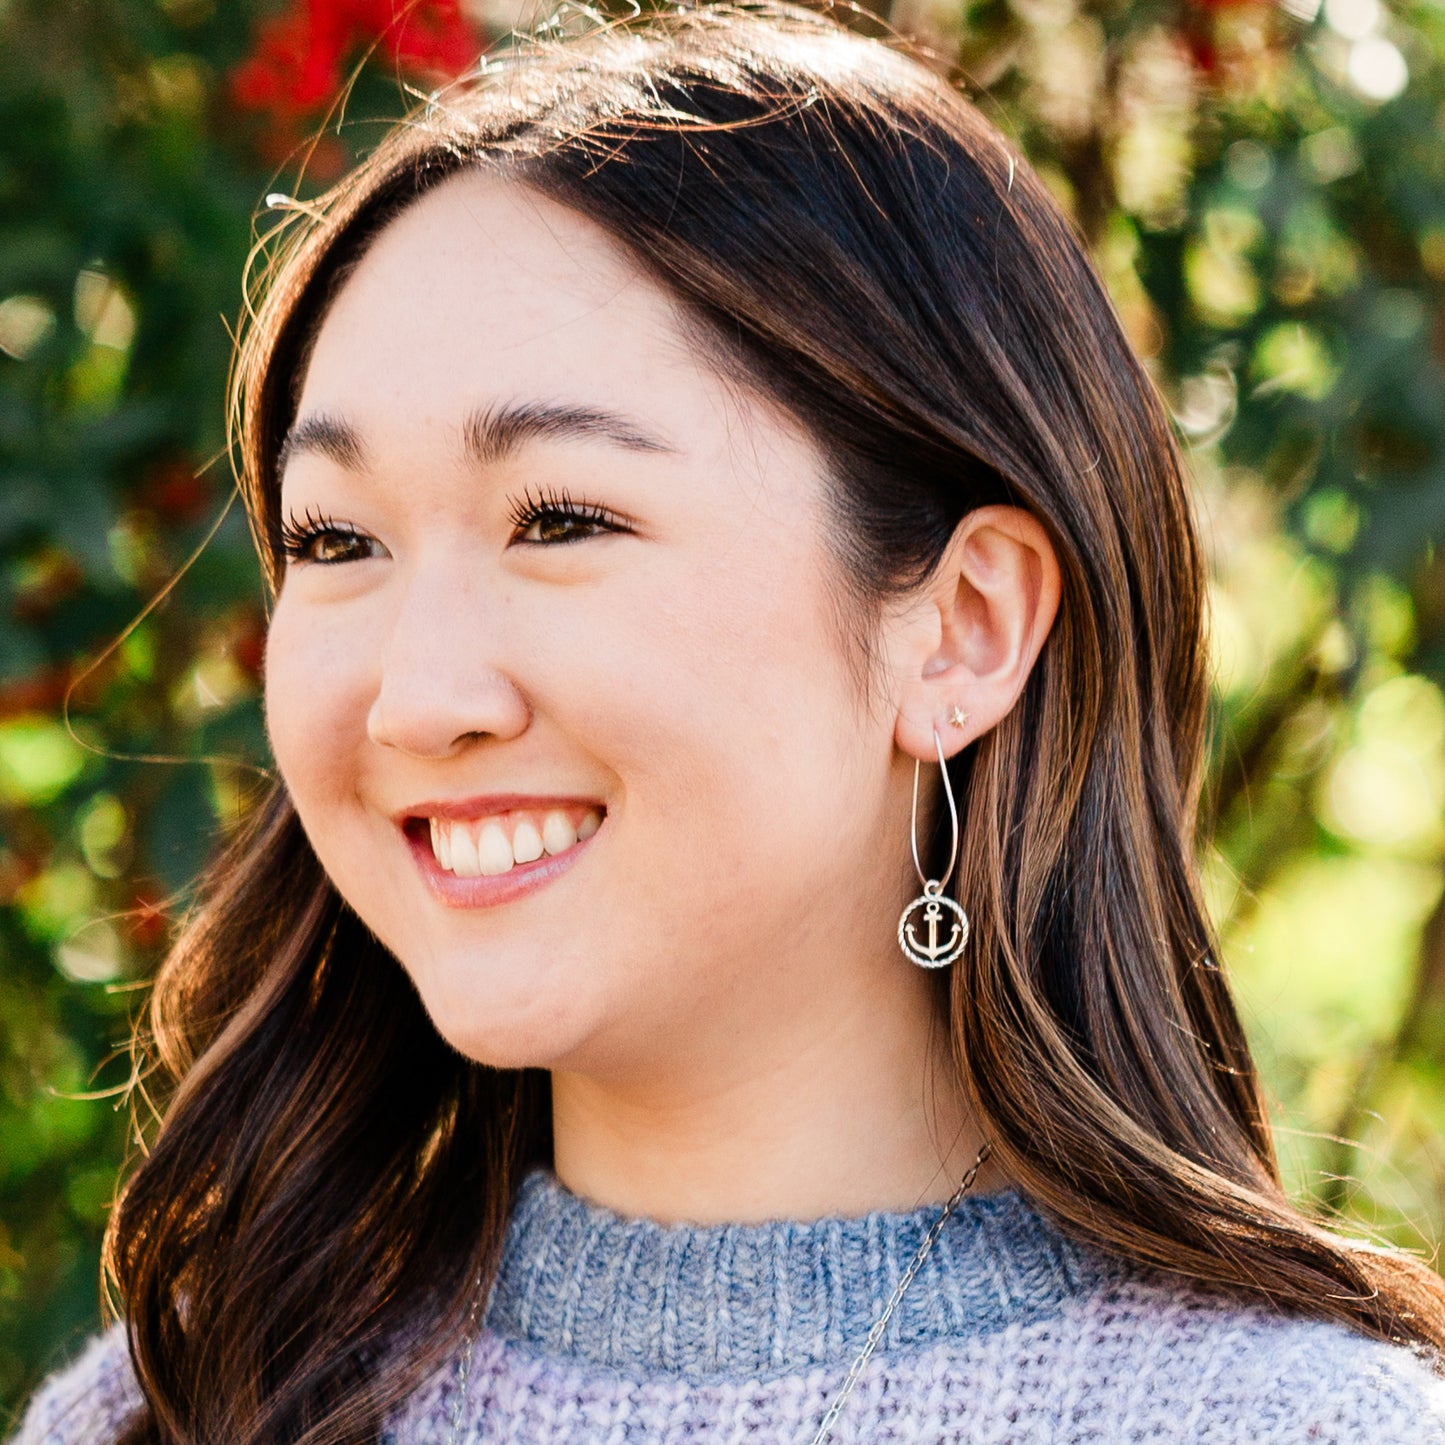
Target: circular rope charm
point(942, 937)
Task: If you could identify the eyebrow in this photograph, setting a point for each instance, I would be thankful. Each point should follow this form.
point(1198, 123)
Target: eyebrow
point(326, 436)
point(489, 434)
point(492, 434)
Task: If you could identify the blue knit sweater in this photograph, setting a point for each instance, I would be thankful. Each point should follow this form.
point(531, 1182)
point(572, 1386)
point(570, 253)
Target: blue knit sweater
point(604, 1330)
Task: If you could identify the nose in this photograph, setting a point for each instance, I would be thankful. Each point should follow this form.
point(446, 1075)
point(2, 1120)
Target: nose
point(440, 681)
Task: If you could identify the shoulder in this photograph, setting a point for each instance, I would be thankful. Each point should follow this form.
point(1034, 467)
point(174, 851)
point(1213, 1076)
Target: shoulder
point(1205, 1368)
point(86, 1401)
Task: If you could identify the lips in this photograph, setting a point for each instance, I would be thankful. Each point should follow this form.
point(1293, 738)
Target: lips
point(478, 852)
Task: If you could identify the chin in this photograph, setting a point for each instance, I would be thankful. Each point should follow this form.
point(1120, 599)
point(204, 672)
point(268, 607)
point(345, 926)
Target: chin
point(534, 1033)
point(498, 1050)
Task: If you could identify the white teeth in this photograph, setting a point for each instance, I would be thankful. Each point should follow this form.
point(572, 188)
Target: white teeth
point(465, 861)
point(526, 843)
point(461, 849)
point(558, 834)
point(494, 852)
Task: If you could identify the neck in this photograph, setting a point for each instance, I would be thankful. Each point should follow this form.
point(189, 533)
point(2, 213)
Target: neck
point(857, 1111)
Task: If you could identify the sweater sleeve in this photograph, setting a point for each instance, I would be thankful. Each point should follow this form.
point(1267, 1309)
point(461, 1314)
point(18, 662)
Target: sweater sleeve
point(1336, 1388)
point(87, 1401)
point(1179, 1367)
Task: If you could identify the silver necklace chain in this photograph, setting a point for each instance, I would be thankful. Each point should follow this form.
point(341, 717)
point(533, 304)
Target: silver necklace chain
point(875, 1335)
point(855, 1371)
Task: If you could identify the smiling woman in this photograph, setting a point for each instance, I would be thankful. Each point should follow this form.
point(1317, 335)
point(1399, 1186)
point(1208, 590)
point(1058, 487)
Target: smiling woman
point(663, 450)
point(562, 558)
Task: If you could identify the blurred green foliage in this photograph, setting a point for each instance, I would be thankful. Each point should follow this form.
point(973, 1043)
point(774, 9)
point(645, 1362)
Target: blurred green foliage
point(1264, 189)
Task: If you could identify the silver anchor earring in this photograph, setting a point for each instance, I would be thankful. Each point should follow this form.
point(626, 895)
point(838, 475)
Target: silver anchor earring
point(933, 951)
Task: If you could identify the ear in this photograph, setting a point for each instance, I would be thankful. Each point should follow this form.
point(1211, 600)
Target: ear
point(969, 640)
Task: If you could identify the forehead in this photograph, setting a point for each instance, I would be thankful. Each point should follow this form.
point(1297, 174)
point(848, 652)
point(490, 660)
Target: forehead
point(485, 287)
point(485, 298)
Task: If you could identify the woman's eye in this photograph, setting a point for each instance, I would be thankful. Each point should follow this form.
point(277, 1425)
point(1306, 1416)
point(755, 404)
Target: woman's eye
point(320, 540)
point(553, 520)
point(329, 545)
point(554, 526)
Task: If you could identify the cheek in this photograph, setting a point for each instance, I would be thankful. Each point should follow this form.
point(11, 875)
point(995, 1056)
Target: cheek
point(722, 702)
point(314, 703)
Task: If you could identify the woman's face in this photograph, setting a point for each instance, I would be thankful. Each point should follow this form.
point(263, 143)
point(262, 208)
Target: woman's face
point(572, 576)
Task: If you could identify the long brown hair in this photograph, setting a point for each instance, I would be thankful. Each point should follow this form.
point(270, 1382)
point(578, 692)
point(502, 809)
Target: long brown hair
point(844, 231)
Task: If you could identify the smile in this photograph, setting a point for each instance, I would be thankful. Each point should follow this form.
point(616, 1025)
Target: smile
point(506, 848)
point(489, 847)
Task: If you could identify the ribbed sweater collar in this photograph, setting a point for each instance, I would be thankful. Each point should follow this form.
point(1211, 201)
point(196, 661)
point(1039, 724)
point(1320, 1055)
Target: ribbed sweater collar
point(579, 1281)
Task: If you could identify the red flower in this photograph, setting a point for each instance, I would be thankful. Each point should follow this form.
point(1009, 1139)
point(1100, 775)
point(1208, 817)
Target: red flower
point(1203, 52)
point(40, 691)
point(176, 491)
point(248, 644)
point(147, 922)
point(295, 67)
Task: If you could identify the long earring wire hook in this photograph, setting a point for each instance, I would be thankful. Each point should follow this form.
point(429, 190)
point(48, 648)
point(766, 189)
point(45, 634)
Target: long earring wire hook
point(952, 815)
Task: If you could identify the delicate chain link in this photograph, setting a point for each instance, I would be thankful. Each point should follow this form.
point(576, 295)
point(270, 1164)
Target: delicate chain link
point(875, 1335)
point(464, 1368)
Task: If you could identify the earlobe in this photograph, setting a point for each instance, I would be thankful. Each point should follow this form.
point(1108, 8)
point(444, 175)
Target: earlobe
point(994, 597)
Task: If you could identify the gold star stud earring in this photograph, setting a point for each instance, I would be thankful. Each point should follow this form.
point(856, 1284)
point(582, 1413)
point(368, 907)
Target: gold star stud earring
point(959, 718)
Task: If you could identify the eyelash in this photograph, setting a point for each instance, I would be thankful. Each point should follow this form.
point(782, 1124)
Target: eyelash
point(293, 539)
point(560, 504)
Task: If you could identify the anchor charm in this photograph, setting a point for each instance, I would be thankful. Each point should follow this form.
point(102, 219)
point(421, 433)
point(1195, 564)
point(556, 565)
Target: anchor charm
point(933, 900)
point(936, 952)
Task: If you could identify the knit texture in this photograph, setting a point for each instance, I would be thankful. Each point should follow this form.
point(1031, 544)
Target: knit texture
point(604, 1330)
